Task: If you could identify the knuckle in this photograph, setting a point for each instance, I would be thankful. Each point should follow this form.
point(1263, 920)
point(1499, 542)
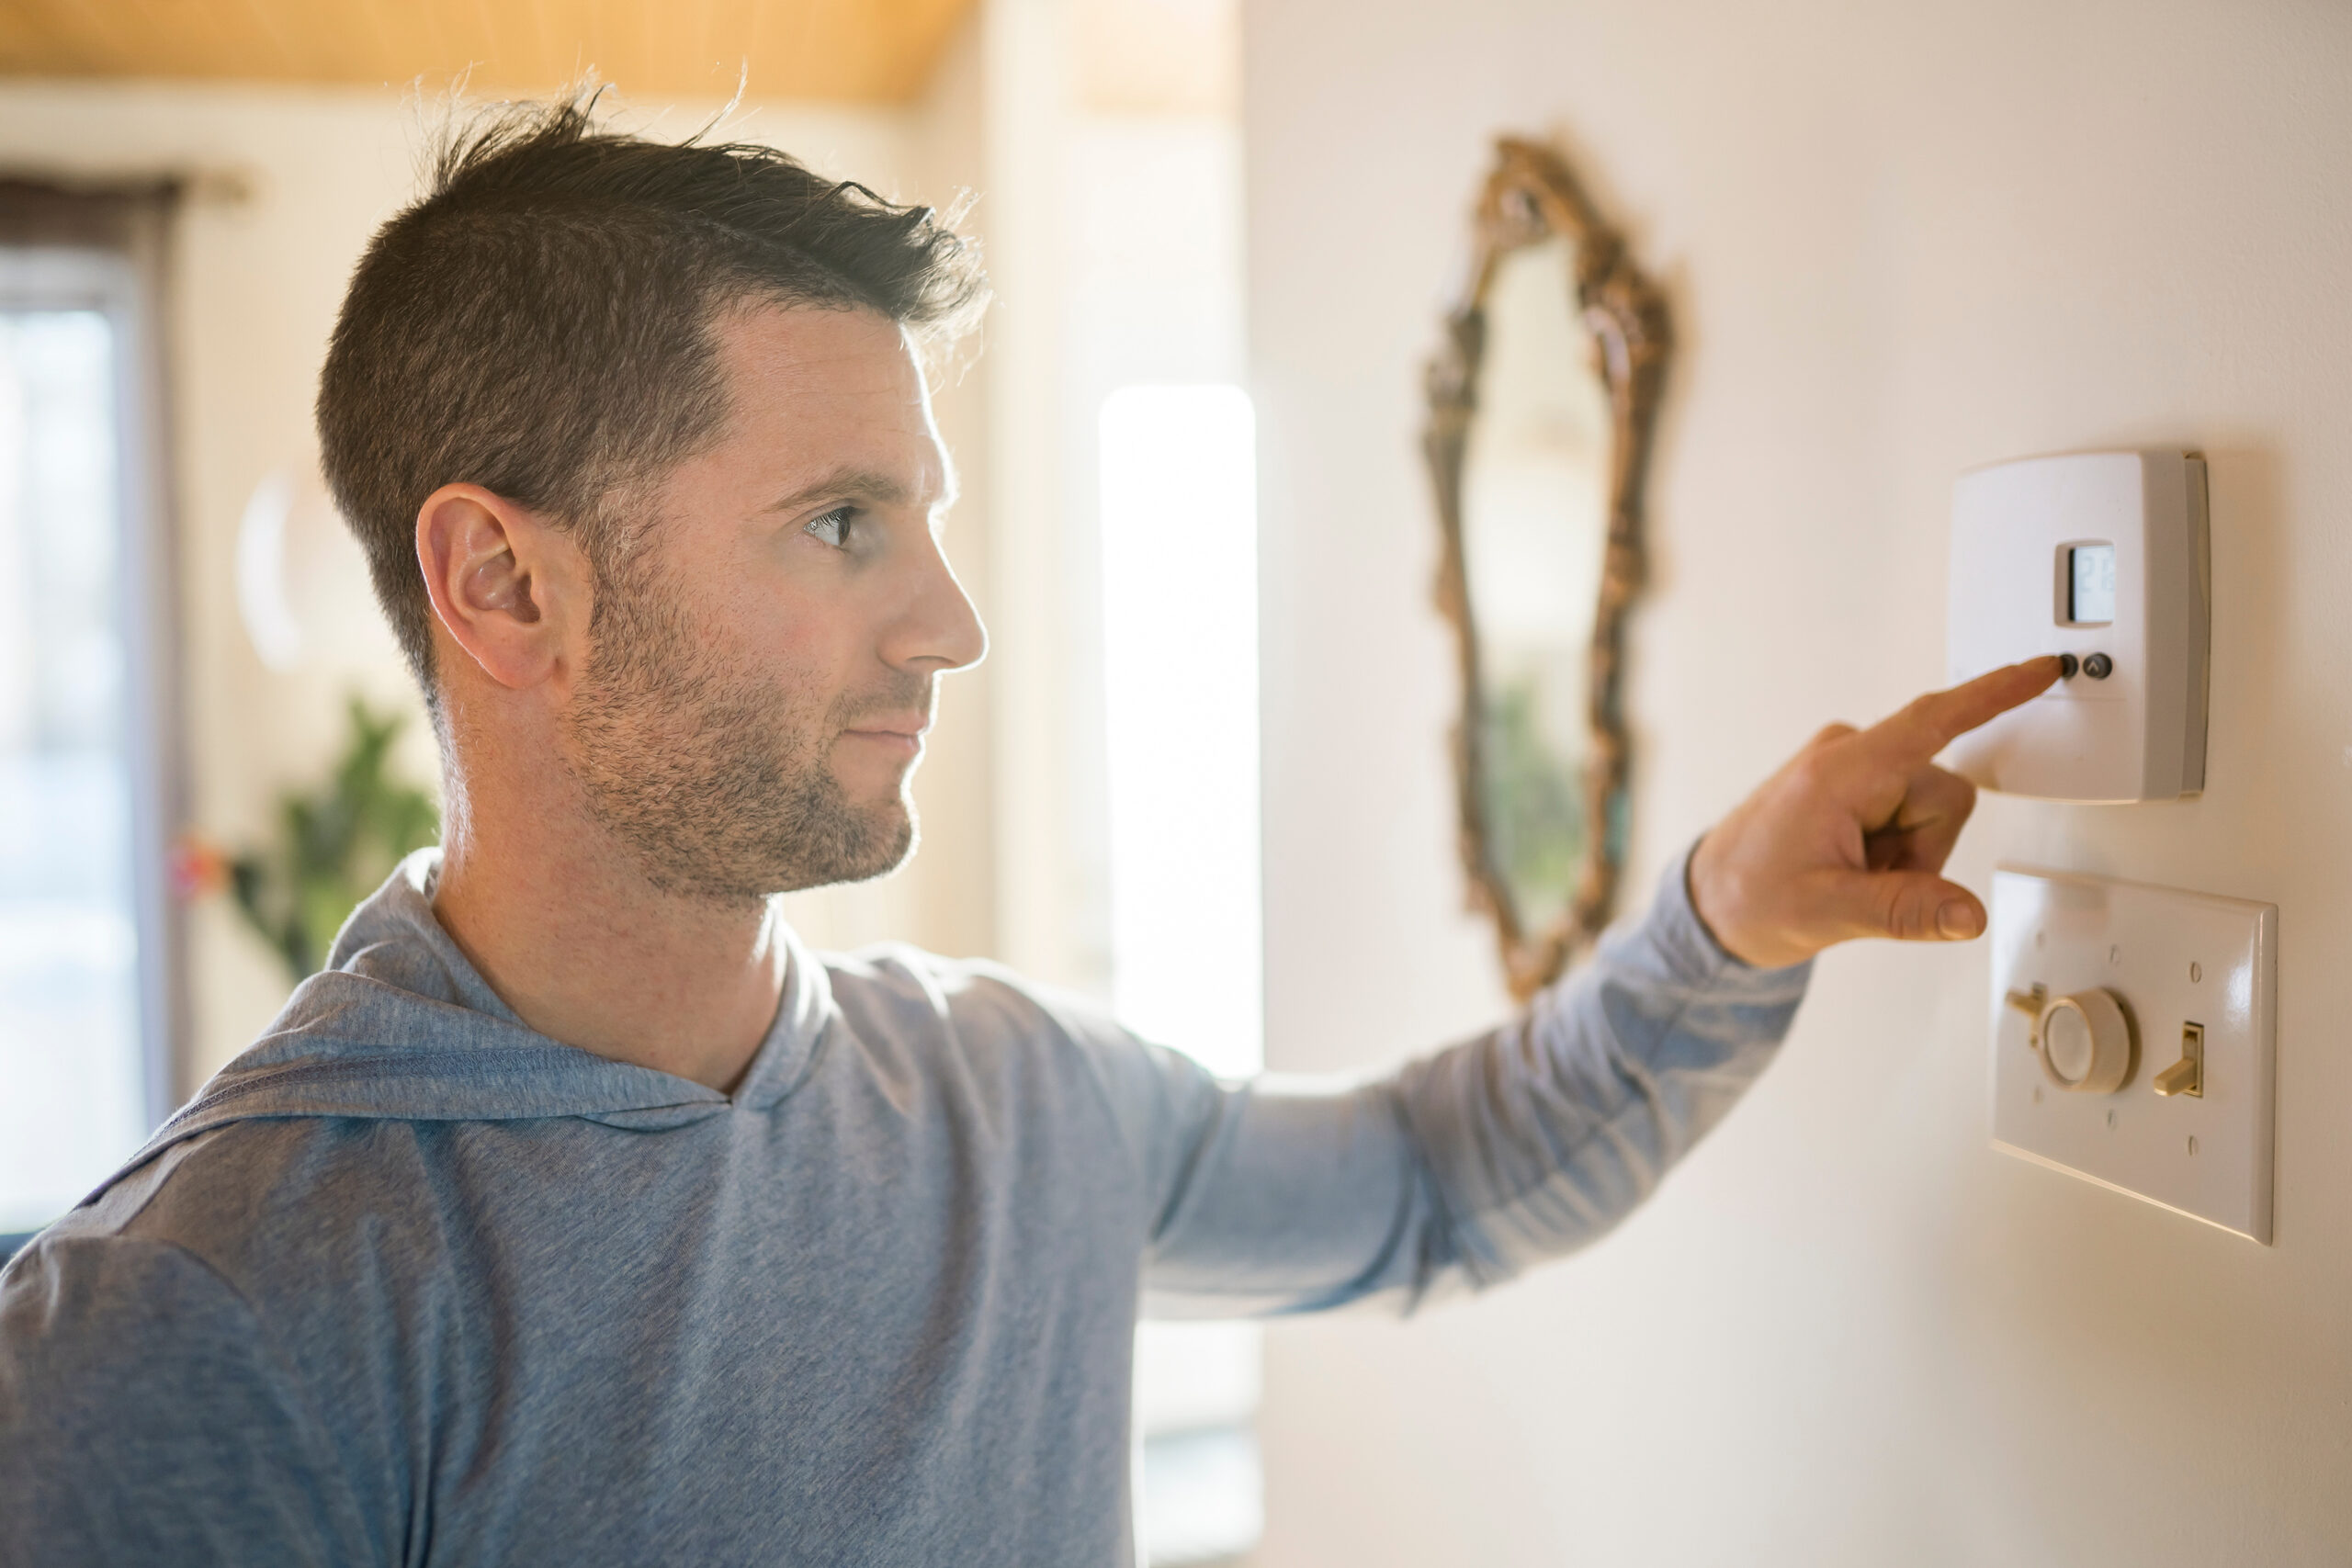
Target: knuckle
point(1927, 720)
point(1811, 774)
point(1905, 917)
point(1929, 704)
point(1939, 794)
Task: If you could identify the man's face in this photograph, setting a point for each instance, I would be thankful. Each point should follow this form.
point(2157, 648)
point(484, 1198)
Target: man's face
point(764, 651)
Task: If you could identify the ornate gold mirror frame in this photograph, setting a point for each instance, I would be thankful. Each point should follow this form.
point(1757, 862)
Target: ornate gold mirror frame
point(1530, 197)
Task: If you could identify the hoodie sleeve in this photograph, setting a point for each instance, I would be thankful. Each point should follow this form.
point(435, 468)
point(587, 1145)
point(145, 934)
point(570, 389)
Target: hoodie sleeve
point(1467, 1166)
point(197, 1449)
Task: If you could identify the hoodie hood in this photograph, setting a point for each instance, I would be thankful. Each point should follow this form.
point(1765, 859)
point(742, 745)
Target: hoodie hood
point(401, 1026)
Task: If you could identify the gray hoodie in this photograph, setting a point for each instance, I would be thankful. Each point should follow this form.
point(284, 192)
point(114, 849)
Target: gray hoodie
point(408, 1282)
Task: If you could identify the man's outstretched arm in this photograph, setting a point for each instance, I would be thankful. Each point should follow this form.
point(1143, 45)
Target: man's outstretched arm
point(1529, 1142)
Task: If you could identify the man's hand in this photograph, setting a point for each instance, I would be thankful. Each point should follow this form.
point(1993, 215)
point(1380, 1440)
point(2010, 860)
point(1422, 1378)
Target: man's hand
point(1847, 841)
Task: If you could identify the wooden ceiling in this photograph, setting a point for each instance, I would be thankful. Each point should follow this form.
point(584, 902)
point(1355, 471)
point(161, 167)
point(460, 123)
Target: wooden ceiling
point(842, 51)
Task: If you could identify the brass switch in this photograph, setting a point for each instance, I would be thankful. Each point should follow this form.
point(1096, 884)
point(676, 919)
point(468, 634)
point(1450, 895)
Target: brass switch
point(2030, 1003)
point(2187, 1076)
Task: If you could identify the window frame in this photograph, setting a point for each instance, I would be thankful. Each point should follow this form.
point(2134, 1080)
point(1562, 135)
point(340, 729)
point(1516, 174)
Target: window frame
point(105, 249)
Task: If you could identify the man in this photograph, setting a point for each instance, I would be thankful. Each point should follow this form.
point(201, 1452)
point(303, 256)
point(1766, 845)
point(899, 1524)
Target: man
point(577, 1215)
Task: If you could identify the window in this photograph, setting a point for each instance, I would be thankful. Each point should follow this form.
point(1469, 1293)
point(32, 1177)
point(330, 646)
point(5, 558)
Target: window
point(1180, 672)
point(86, 981)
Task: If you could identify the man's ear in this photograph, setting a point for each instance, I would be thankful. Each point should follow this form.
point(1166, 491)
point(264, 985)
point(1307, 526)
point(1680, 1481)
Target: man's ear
point(509, 589)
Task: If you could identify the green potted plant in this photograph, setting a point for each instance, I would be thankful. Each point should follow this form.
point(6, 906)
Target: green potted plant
point(334, 845)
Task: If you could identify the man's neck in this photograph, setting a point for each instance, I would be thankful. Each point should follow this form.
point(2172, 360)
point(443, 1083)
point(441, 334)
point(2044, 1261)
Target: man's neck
point(555, 915)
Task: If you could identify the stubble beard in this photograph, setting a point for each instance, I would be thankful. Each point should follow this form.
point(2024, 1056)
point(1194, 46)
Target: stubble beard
point(717, 781)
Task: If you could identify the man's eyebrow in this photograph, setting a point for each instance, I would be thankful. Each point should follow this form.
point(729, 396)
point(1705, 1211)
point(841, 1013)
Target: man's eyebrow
point(861, 484)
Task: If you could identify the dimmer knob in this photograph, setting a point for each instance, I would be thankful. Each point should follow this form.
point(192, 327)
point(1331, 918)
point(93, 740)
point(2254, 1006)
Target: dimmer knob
point(2084, 1042)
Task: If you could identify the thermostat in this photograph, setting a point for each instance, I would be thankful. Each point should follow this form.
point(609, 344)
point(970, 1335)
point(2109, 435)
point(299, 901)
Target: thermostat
point(2099, 558)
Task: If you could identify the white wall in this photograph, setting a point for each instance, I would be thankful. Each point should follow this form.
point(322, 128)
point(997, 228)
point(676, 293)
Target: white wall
point(1899, 241)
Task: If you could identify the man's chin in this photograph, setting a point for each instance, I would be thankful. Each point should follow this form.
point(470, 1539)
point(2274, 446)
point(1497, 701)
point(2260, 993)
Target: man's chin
point(900, 836)
point(875, 768)
point(883, 839)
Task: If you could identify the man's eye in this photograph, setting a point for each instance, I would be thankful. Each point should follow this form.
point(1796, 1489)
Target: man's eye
point(833, 526)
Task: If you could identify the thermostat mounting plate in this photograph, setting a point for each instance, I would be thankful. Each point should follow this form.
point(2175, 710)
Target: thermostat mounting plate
point(2102, 556)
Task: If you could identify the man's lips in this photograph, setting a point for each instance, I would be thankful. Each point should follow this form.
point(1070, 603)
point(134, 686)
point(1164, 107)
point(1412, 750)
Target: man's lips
point(904, 734)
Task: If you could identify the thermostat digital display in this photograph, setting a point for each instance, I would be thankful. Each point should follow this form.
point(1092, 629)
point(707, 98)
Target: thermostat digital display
point(2090, 585)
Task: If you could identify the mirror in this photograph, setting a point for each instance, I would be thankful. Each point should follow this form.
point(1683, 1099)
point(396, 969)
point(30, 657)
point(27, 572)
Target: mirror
point(1540, 413)
point(1535, 526)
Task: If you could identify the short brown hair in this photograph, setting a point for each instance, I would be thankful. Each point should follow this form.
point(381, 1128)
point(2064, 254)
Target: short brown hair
point(539, 322)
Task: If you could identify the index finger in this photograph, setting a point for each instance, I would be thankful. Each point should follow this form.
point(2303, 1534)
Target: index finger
point(1926, 724)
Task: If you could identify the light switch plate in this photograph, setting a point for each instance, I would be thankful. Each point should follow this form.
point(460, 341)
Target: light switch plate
point(2171, 958)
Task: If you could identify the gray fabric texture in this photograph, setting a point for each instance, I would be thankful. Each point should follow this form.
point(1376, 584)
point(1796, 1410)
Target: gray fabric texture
point(410, 1283)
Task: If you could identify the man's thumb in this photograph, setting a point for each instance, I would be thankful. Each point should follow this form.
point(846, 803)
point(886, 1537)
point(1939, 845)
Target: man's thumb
point(1913, 906)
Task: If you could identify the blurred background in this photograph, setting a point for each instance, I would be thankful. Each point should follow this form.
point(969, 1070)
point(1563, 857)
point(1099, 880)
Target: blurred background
point(1898, 241)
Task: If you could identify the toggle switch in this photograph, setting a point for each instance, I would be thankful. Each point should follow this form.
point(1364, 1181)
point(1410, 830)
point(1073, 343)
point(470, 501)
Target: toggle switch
point(2186, 1076)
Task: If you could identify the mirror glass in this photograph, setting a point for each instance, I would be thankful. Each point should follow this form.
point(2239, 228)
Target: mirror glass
point(1535, 531)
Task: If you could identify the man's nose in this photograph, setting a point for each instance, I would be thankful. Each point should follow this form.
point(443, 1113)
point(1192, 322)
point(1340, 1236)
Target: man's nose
point(939, 629)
